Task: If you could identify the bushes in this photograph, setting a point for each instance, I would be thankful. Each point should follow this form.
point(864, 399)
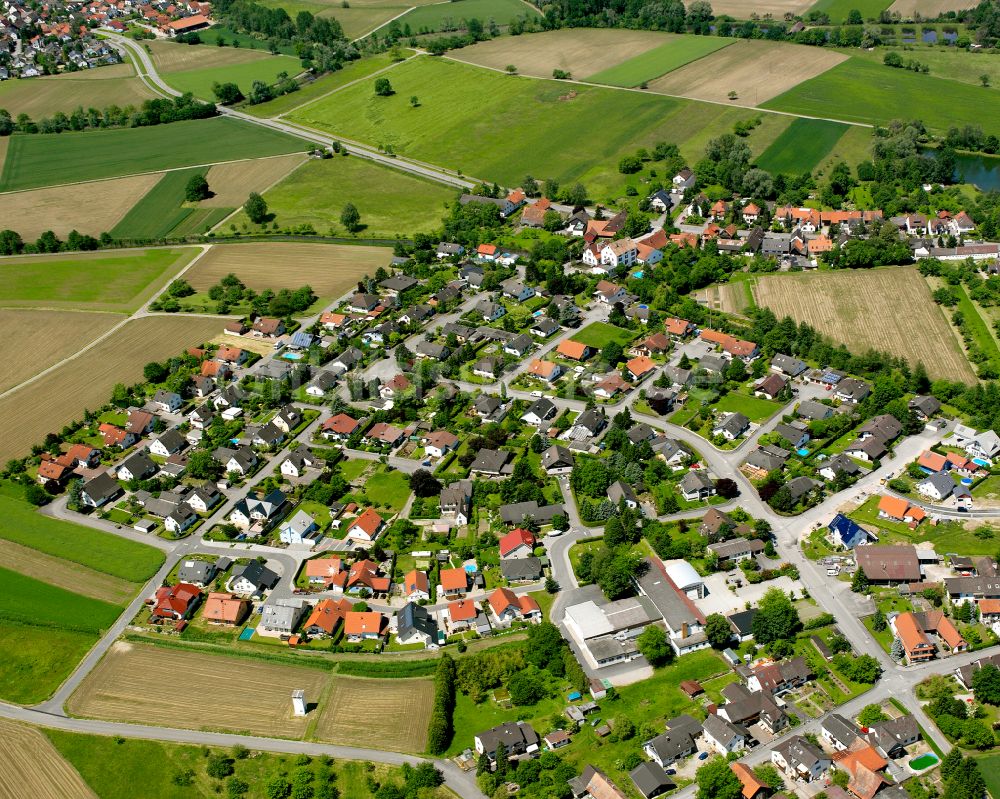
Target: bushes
point(441, 729)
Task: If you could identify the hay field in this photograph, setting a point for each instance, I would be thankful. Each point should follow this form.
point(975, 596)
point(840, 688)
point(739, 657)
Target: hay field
point(233, 182)
point(331, 269)
point(148, 684)
point(928, 9)
point(756, 70)
point(740, 9)
point(96, 88)
point(172, 57)
point(65, 574)
point(886, 309)
point(580, 51)
point(61, 396)
point(31, 766)
point(88, 208)
point(396, 713)
point(42, 338)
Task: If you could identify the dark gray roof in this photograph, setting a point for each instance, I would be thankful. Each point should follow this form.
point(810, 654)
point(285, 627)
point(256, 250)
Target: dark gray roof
point(102, 488)
point(515, 736)
point(258, 574)
point(521, 568)
point(651, 780)
point(516, 511)
point(414, 617)
point(742, 621)
point(840, 729)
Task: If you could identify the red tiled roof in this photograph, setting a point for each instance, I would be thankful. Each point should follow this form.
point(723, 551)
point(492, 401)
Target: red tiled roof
point(463, 610)
point(454, 579)
point(514, 539)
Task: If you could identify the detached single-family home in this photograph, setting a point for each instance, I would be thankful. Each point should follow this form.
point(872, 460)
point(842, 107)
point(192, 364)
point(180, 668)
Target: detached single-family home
point(453, 582)
point(99, 490)
point(364, 626)
point(548, 371)
point(167, 401)
point(696, 485)
point(557, 460)
point(137, 466)
point(540, 411)
point(301, 528)
point(518, 543)
point(517, 737)
point(227, 609)
point(326, 617)
point(508, 607)
point(366, 527)
point(438, 443)
point(416, 586)
point(282, 616)
point(731, 426)
point(799, 759)
point(414, 624)
point(175, 601)
point(723, 736)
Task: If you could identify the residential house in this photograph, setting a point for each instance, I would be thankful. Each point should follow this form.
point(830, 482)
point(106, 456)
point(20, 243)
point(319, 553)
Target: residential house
point(414, 624)
point(852, 391)
point(839, 465)
point(892, 737)
point(283, 616)
point(196, 572)
point(326, 617)
point(492, 463)
point(384, 434)
point(254, 511)
point(517, 737)
point(140, 423)
point(788, 366)
point(169, 443)
point(574, 350)
point(912, 629)
point(814, 411)
point(460, 615)
point(364, 626)
point(736, 550)
point(925, 407)
point(897, 509)
point(611, 386)
point(167, 401)
point(456, 501)
point(679, 741)
point(175, 602)
point(225, 609)
point(514, 513)
point(548, 371)
point(519, 345)
point(770, 387)
point(847, 533)
point(488, 368)
point(453, 582)
point(544, 326)
point(752, 786)
point(799, 759)
point(938, 486)
point(540, 411)
point(723, 736)
point(299, 529)
point(889, 564)
point(731, 426)
point(778, 678)
point(180, 519)
point(838, 732)
point(639, 367)
point(137, 466)
point(508, 607)
point(619, 492)
point(696, 485)
point(518, 543)
point(416, 586)
point(521, 570)
point(340, 427)
point(650, 780)
point(557, 460)
point(366, 527)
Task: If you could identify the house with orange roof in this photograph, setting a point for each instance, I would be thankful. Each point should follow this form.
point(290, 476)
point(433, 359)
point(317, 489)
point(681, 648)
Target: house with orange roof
point(230, 354)
point(753, 788)
point(818, 245)
point(52, 471)
point(217, 370)
point(114, 436)
point(912, 629)
point(363, 575)
point(683, 240)
point(332, 321)
point(611, 386)
point(368, 625)
point(897, 509)
point(416, 586)
point(81, 455)
point(751, 212)
point(340, 427)
point(461, 615)
point(367, 526)
point(718, 210)
point(639, 367)
point(227, 609)
point(989, 611)
point(175, 601)
point(508, 607)
point(326, 617)
point(453, 582)
point(932, 462)
point(573, 350)
point(486, 252)
point(320, 571)
point(678, 328)
point(864, 765)
point(545, 370)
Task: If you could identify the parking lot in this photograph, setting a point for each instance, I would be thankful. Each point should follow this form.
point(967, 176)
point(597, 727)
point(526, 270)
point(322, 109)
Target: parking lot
point(720, 599)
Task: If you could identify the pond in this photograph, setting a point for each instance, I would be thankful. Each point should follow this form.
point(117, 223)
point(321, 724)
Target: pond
point(924, 761)
point(981, 170)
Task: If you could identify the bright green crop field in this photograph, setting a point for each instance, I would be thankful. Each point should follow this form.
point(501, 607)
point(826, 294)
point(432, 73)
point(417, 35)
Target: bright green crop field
point(660, 60)
point(431, 17)
point(161, 209)
point(542, 131)
point(390, 202)
point(102, 281)
point(860, 91)
point(103, 552)
point(266, 68)
point(37, 659)
point(31, 601)
point(801, 147)
point(57, 158)
point(838, 10)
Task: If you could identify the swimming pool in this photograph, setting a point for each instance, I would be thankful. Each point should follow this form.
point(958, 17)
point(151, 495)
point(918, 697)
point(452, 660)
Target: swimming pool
point(293, 356)
point(980, 462)
point(802, 451)
point(247, 633)
point(638, 274)
point(925, 760)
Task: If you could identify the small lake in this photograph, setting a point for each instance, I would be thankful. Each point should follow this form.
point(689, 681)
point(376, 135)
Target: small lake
point(982, 170)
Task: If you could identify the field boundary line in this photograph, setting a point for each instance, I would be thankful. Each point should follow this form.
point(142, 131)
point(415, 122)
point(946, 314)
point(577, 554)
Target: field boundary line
point(390, 21)
point(264, 191)
point(138, 314)
point(647, 92)
point(346, 85)
point(650, 80)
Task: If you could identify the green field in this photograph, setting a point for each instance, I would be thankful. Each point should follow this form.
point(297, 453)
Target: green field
point(838, 10)
point(30, 601)
point(430, 18)
point(977, 327)
point(600, 334)
point(334, 80)
point(161, 209)
point(390, 202)
point(390, 489)
point(756, 409)
point(944, 62)
point(211, 36)
point(989, 767)
point(37, 659)
point(660, 60)
point(103, 552)
point(199, 81)
point(106, 281)
point(57, 158)
point(860, 91)
point(449, 127)
point(802, 147)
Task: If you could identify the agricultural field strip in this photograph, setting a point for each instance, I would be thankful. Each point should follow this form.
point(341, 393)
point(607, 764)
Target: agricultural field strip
point(31, 766)
point(65, 574)
point(135, 174)
point(231, 182)
point(646, 92)
point(403, 705)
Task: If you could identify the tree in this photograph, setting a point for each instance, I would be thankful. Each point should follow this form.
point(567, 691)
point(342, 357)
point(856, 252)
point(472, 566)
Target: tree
point(879, 622)
point(951, 763)
point(36, 495)
point(350, 218)
point(840, 778)
point(769, 775)
point(716, 780)
point(654, 646)
point(870, 715)
point(717, 631)
point(424, 484)
point(235, 788)
point(255, 208)
point(622, 730)
point(155, 372)
point(414, 101)
point(278, 787)
point(227, 93)
point(864, 668)
point(984, 79)
point(896, 651)
point(854, 17)
point(383, 88)
point(196, 189)
point(726, 488)
point(859, 583)
point(202, 466)
point(986, 685)
point(219, 766)
point(776, 618)
point(526, 687)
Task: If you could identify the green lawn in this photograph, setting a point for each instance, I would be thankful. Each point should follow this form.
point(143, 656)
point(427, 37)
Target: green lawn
point(660, 60)
point(944, 62)
point(37, 659)
point(391, 489)
point(946, 536)
point(977, 328)
point(351, 71)
point(838, 10)
point(988, 488)
point(754, 408)
point(860, 91)
point(600, 334)
point(31, 601)
point(266, 68)
point(155, 764)
point(161, 209)
point(106, 281)
point(211, 37)
point(57, 158)
point(430, 18)
point(989, 767)
point(801, 147)
point(449, 127)
point(391, 203)
point(103, 552)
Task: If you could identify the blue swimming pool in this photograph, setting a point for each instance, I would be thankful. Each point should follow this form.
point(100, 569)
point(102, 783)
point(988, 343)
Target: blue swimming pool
point(293, 356)
point(980, 462)
point(247, 634)
point(802, 451)
point(638, 274)
point(471, 568)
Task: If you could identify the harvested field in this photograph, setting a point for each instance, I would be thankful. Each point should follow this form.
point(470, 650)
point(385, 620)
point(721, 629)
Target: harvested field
point(396, 713)
point(139, 683)
point(31, 766)
point(740, 9)
point(928, 9)
point(330, 269)
point(42, 97)
point(65, 574)
point(231, 183)
point(886, 309)
point(62, 334)
point(579, 51)
point(259, 345)
point(86, 382)
point(33, 212)
point(778, 68)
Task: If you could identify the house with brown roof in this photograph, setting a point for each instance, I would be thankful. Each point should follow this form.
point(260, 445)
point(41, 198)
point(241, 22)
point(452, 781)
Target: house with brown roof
point(223, 608)
point(438, 443)
point(654, 344)
point(889, 564)
point(611, 386)
point(267, 327)
point(340, 427)
point(367, 526)
point(770, 387)
point(385, 434)
point(175, 601)
point(639, 367)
